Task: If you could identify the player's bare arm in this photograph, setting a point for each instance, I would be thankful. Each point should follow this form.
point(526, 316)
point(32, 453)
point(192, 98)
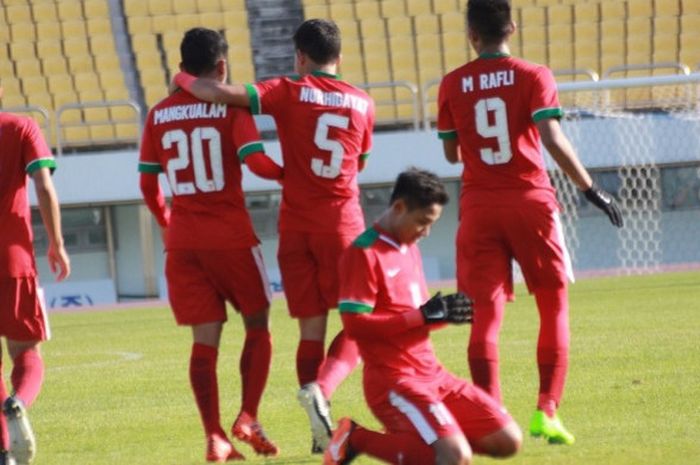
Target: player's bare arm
point(450, 148)
point(212, 90)
point(59, 263)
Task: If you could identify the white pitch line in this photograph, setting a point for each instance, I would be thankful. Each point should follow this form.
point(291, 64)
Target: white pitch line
point(122, 358)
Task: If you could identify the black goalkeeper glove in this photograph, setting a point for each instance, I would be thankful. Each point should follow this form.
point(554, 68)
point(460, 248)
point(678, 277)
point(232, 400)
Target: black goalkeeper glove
point(605, 202)
point(452, 308)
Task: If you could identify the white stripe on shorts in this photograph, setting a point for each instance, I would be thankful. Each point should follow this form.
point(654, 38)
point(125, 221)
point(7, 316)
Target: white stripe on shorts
point(257, 255)
point(415, 416)
point(42, 303)
point(562, 243)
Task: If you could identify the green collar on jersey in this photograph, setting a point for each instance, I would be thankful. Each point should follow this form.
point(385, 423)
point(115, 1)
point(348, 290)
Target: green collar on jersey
point(494, 55)
point(317, 73)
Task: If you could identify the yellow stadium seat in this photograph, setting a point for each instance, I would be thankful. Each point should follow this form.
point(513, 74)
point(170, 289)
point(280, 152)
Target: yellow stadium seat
point(70, 11)
point(22, 32)
point(612, 11)
point(100, 132)
point(533, 35)
point(4, 34)
point(418, 7)
point(586, 12)
point(535, 53)
point(639, 26)
point(212, 20)
point(10, 100)
point(561, 55)
point(60, 83)
point(22, 50)
point(185, 22)
point(455, 50)
point(393, 8)
point(102, 44)
point(86, 81)
point(99, 26)
point(75, 136)
point(18, 14)
point(640, 8)
point(673, 7)
point(586, 55)
point(341, 10)
point(560, 14)
point(689, 53)
point(348, 28)
point(316, 11)
point(532, 17)
point(81, 64)
point(445, 6)
point(428, 57)
point(66, 97)
point(690, 23)
point(665, 48)
point(639, 49)
point(34, 84)
point(11, 85)
point(140, 24)
point(96, 8)
point(152, 77)
point(399, 26)
point(126, 131)
point(44, 12)
point(28, 67)
point(560, 33)
point(403, 66)
point(73, 29)
point(116, 93)
point(209, 6)
point(105, 63)
point(54, 65)
point(48, 31)
point(91, 95)
point(585, 31)
point(452, 22)
point(352, 71)
point(366, 9)
point(666, 24)
point(180, 7)
point(426, 24)
point(40, 99)
point(163, 23)
point(136, 8)
point(236, 18)
point(160, 7)
point(372, 28)
point(75, 47)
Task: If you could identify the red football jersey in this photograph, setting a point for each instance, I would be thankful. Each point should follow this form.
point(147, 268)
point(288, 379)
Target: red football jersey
point(491, 106)
point(24, 150)
point(199, 146)
point(324, 127)
point(381, 276)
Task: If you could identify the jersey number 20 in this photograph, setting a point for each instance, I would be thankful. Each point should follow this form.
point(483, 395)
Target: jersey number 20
point(332, 169)
point(499, 130)
point(193, 147)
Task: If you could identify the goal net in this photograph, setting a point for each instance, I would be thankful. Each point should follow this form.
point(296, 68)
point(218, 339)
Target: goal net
point(640, 139)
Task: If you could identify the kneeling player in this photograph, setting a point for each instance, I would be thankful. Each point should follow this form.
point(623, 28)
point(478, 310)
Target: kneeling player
point(429, 415)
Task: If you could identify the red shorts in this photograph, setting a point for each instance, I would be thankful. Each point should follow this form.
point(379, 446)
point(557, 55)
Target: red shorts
point(489, 238)
point(22, 311)
point(309, 268)
point(201, 281)
point(438, 409)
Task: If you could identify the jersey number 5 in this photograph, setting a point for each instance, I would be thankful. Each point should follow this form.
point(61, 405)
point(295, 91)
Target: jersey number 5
point(332, 169)
point(193, 147)
point(499, 130)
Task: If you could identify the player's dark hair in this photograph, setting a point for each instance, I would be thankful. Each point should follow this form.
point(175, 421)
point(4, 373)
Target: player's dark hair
point(200, 49)
point(490, 19)
point(419, 189)
point(319, 39)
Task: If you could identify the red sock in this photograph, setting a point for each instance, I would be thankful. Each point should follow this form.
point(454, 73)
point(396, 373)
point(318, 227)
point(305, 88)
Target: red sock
point(254, 367)
point(343, 356)
point(552, 347)
point(4, 437)
point(399, 449)
point(483, 346)
point(27, 376)
point(205, 386)
point(309, 358)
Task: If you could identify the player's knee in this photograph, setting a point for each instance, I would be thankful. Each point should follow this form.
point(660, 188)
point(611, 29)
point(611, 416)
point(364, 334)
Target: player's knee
point(453, 452)
point(508, 442)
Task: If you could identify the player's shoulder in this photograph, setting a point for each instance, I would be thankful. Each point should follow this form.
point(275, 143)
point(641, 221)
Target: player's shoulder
point(367, 239)
point(529, 67)
point(15, 121)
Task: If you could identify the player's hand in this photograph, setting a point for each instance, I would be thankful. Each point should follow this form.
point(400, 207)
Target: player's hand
point(59, 263)
point(605, 202)
point(452, 308)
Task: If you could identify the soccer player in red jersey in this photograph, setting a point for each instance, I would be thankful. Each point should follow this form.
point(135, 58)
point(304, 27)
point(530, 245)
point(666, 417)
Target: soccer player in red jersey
point(428, 414)
point(493, 114)
point(213, 256)
point(23, 320)
point(325, 131)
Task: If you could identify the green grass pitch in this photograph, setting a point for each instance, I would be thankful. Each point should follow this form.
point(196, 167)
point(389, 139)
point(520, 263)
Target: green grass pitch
point(116, 388)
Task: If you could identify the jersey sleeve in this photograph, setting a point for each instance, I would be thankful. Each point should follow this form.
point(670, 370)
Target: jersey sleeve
point(369, 128)
point(445, 122)
point(266, 96)
point(245, 133)
point(544, 102)
point(358, 284)
point(148, 155)
point(35, 152)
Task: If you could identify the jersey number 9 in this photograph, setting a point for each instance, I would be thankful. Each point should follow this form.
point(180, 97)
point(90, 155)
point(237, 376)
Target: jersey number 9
point(499, 130)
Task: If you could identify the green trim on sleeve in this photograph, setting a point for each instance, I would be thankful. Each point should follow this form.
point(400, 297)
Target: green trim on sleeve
point(250, 147)
point(148, 167)
point(447, 135)
point(364, 156)
point(40, 163)
point(544, 113)
point(349, 306)
point(254, 98)
point(366, 239)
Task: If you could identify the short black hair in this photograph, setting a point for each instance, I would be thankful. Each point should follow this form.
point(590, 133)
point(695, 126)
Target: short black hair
point(319, 39)
point(200, 49)
point(419, 189)
point(490, 19)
